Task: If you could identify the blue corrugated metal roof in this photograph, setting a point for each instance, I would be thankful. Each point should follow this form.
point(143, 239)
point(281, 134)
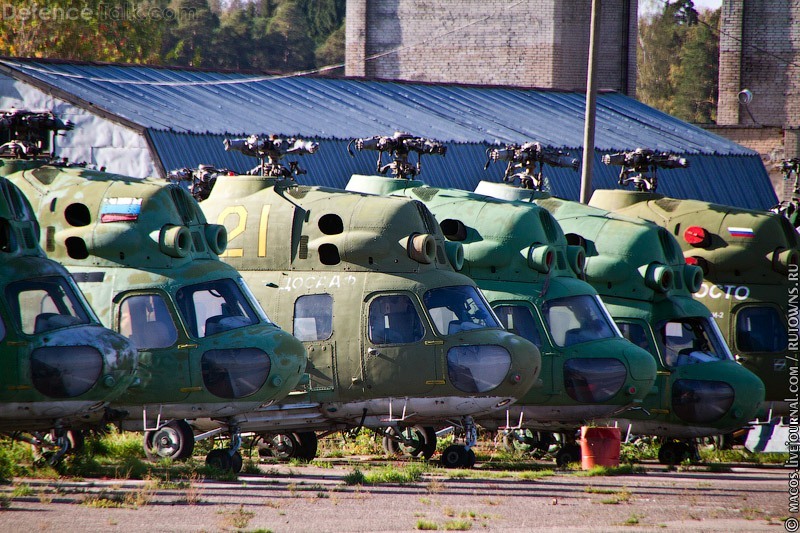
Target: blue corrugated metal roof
point(188, 112)
point(742, 180)
point(184, 100)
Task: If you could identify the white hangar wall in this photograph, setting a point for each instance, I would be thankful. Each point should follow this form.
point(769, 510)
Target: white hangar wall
point(96, 140)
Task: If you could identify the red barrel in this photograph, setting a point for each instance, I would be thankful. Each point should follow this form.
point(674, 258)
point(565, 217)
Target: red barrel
point(599, 447)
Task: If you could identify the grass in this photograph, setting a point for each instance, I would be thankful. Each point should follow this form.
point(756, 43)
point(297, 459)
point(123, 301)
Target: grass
point(592, 490)
point(237, 518)
point(633, 520)
point(622, 470)
point(426, 525)
point(622, 496)
point(409, 473)
point(457, 525)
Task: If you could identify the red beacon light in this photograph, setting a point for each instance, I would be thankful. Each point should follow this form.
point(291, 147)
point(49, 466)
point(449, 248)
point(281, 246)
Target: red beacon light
point(697, 236)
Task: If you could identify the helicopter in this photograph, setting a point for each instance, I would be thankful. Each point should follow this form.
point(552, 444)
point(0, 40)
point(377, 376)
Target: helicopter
point(61, 368)
point(397, 340)
point(148, 263)
point(642, 277)
point(519, 257)
point(748, 258)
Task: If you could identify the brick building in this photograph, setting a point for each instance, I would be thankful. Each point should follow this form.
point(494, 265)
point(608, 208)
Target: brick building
point(759, 80)
point(532, 43)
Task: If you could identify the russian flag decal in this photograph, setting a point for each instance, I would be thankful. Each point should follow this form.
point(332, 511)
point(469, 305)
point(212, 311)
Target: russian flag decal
point(120, 209)
point(741, 232)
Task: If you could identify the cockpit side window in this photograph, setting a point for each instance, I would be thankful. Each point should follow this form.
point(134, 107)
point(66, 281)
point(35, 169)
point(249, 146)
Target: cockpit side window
point(760, 329)
point(637, 334)
point(214, 307)
point(519, 320)
point(393, 319)
point(459, 308)
point(690, 341)
point(45, 304)
point(576, 319)
point(146, 321)
point(313, 317)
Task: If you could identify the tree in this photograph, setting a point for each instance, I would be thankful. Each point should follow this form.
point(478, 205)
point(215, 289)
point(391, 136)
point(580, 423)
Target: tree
point(189, 37)
point(287, 38)
point(678, 64)
point(91, 30)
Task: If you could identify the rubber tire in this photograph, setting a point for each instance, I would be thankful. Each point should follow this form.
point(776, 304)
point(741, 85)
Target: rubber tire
point(469, 460)
point(454, 456)
point(307, 445)
point(237, 462)
point(672, 453)
point(177, 432)
point(282, 446)
point(430, 442)
point(425, 437)
point(220, 459)
point(569, 453)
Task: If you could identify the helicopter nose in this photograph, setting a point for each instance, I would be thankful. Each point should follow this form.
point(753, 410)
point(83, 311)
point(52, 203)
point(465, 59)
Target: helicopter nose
point(594, 380)
point(235, 373)
point(65, 371)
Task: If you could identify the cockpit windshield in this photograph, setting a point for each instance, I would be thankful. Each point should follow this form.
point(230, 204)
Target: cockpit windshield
point(45, 304)
point(459, 308)
point(694, 340)
point(215, 306)
point(576, 319)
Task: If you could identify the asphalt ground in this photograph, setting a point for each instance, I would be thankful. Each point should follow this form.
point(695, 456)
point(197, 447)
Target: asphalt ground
point(286, 498)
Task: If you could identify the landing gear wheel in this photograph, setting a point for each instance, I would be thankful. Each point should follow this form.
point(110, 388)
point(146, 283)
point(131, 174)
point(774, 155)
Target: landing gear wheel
point(77, 441)
point(220, 459)
point(281, 446)
point(527, 441)
point(469, 459)
point(236, 462)
point(454, 456)
point(569, 453)
point(307, 445)
point(415, 441)
point(723, 442)
point(673, 453)
point(174, 440)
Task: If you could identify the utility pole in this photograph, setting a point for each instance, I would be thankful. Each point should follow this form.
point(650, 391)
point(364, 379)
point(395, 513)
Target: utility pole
point(591, 101)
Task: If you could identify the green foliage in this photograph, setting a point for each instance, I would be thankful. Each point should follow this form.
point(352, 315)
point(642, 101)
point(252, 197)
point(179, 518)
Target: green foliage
point(356, 477)
point(427, 525)
point(282, 35)
point(678, 64)
point(622, 470)
point(13, 455)
point(408, 473)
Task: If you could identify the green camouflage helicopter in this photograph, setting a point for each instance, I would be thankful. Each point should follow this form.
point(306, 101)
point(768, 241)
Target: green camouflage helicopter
point(61, 368)
point(642, 277)
point(519, 257)
point(749, 260)
point(148, 262)
point(395, 337)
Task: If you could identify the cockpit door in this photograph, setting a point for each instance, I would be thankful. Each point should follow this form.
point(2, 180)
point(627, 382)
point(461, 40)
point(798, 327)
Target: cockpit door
point(396, 359)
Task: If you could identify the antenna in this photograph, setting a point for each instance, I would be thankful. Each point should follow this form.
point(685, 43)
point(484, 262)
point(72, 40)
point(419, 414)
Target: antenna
point(399, 146)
